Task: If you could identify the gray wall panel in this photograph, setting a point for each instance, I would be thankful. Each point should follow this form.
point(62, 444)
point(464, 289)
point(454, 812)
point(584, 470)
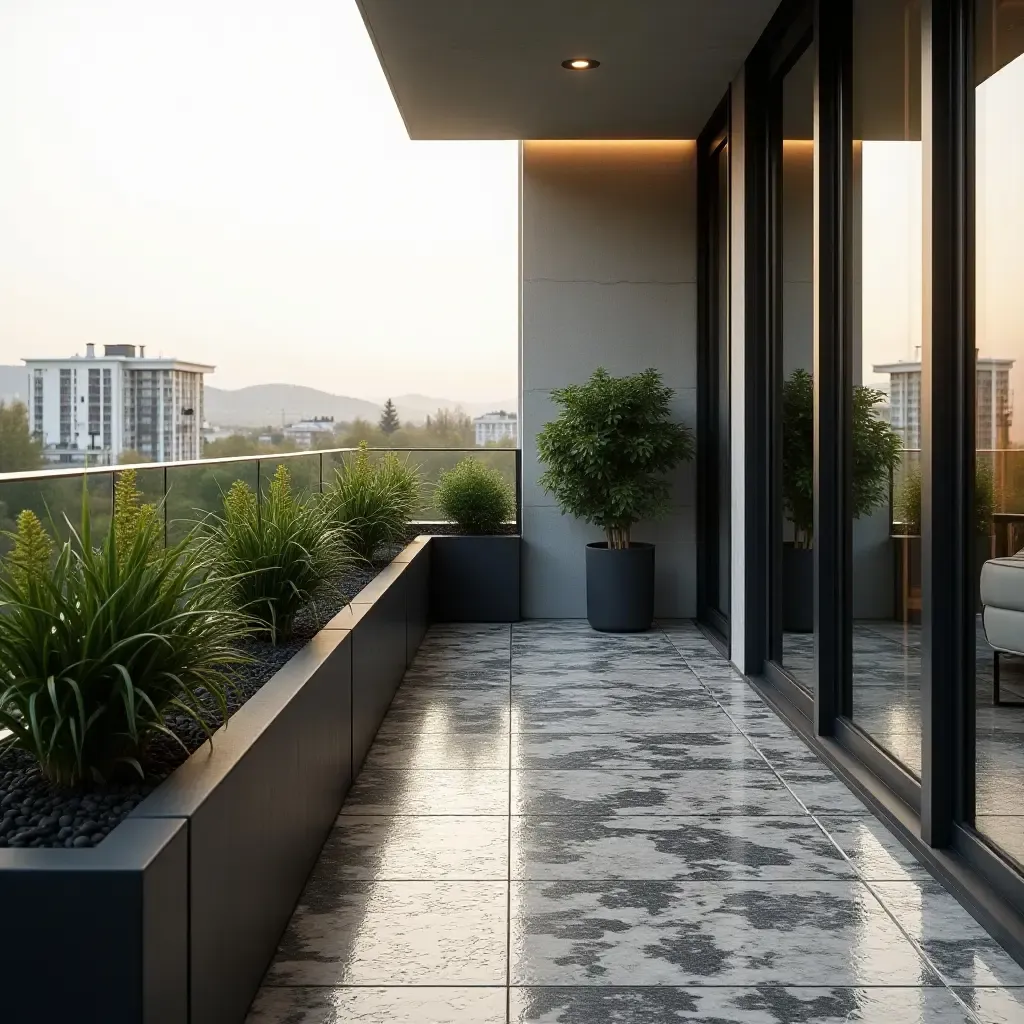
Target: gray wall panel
point(609, 279)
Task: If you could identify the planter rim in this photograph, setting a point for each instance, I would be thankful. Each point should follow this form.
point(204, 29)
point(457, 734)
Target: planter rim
point(638, 545)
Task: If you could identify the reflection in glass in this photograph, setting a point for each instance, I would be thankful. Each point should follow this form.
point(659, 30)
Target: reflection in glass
point(793, 630)
point(718, 584)
point(999, 490)
point(887, 338)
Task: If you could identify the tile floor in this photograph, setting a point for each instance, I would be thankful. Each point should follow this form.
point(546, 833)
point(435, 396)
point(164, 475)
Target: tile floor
point(555, 825)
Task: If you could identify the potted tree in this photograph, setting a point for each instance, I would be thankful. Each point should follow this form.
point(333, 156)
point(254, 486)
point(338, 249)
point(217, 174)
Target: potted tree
point(605, 458)
point(876, 453)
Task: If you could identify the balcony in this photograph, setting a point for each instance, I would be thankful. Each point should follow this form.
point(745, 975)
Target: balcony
point(560, 825)
point(415, 815)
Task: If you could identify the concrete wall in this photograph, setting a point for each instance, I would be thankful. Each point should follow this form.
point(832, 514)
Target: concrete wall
point(608, 264)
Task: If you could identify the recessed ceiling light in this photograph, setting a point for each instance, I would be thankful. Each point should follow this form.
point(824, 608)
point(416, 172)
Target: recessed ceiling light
point(580, 64)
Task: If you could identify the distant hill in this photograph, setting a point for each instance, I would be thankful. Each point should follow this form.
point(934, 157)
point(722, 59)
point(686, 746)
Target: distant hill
point(265, 404)
point(273, 404)
point(13, 383)
point(270, 404)
point(416, 408)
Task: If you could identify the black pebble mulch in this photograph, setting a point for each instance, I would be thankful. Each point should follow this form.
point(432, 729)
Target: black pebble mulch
point(34, 813)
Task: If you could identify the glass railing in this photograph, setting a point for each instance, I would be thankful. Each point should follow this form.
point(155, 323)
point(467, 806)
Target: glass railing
point(187, 491)
point(999, 493)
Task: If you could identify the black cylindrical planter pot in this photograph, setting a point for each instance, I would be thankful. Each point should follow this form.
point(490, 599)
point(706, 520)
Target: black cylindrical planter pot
point(620, 588)
point(797, 589)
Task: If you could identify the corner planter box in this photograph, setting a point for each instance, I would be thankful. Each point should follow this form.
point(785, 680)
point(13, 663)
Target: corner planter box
point(174, 918)
point(475, 579)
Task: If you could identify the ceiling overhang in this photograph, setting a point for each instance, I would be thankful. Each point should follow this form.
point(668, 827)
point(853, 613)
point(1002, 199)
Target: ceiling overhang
point(492, 69)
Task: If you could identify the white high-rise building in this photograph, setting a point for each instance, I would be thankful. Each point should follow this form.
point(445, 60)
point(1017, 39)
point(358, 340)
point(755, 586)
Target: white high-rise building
point(495, 427)
point(993, 402)
point(93, 408)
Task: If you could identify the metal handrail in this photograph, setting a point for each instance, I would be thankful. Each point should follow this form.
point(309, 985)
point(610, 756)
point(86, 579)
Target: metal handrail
point(72, 471)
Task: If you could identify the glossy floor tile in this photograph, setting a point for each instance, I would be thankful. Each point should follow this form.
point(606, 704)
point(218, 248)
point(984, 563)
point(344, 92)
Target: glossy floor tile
point(436, 791)
point(697, 791)
point(557, 825)
point(765, 1004)
point(994, 1005)
point(673, 848)
point(395, 933)
point(409, 847)
point(303, 1005)
point(668, 751)
point(831, 933)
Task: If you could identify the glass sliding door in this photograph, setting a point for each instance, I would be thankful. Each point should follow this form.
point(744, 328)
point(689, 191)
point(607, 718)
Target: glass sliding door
point(884, 422)
point(998, 526)
point(714, 583)
point(791, 361)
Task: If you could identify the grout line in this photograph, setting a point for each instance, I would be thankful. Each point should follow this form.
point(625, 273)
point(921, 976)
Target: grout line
point(508, 841)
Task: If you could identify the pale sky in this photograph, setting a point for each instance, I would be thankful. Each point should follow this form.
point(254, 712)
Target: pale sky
point(229, 181)
point(892, 239)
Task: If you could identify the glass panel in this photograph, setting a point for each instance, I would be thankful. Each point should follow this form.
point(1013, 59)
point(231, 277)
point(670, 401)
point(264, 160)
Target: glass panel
point(430, 465)
point(887, 337)
point(303, 471)
point(58, 504)
point(719, 597)
point(999, 490)
point(195, 491)
point(794, 360)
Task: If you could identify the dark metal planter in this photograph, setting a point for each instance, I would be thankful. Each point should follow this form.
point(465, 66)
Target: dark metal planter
point(259, 804)
point(101, 934)
point(475, 579)
point(175, 917)
point(797, 589)
point(620, 588)
point(380, 654)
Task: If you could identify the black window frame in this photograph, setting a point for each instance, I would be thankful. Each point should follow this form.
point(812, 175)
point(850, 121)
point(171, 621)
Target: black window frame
point(933, 816)
point(710, 473)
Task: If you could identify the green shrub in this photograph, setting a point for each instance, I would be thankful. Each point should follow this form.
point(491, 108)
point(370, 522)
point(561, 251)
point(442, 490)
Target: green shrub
point(100, 647)
point(278, 555)
point(607, 454)
point(29, 560)
point(131, 514)
point(374, 501)
point(906, 504)
point(475, 496)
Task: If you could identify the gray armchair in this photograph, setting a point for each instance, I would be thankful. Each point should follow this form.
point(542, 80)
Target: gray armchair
point(1002, 598)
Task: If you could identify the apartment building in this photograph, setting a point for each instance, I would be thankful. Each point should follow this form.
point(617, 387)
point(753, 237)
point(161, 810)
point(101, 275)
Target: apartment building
point(494, 427)
point(93, 408)
point(311, 433)
point(993, 402)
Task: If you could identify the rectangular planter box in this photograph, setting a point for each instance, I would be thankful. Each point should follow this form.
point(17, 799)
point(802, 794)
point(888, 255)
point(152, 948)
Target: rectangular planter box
point(418, 555)
point(259, 804)
point(377, 619)
point(102, 934)
point(175, 917)
point(475, 579)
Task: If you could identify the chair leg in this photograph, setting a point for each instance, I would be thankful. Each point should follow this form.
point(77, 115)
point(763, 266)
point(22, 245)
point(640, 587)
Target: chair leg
point(996, 697)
